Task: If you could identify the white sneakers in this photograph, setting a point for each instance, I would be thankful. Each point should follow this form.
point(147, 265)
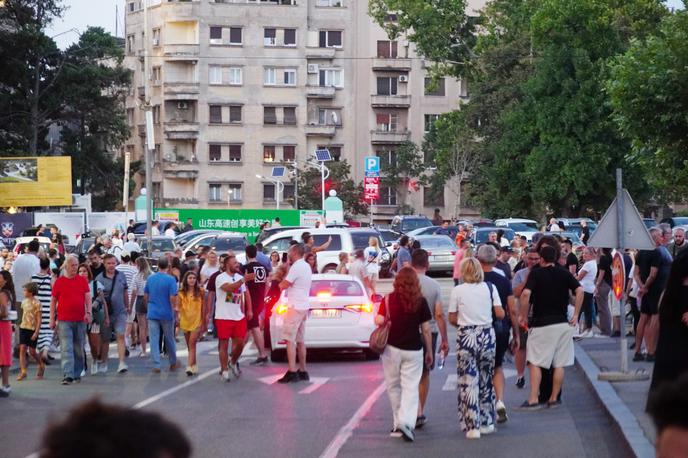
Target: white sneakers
point(122, 368)
point(103, 368)
point(473, 434)
point(476, 433)
point(485, 430)
point(225, 376)
point(94, 367)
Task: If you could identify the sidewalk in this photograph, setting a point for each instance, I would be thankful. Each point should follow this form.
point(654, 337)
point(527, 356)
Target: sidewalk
point(625, 401)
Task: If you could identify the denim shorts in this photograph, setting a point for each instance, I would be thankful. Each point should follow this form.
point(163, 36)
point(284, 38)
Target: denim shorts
point(118, 324)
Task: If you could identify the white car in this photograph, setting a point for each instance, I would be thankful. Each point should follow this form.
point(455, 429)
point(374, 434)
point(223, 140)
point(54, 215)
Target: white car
point(341, 316)
point(20, 243)
point(520, 226)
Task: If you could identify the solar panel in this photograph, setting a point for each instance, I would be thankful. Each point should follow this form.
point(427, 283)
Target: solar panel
point(277, 172)
point(323, 155)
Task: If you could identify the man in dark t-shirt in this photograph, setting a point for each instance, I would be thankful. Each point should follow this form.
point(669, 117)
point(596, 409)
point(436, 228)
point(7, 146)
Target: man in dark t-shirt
point(550, 339)
point(256, 289)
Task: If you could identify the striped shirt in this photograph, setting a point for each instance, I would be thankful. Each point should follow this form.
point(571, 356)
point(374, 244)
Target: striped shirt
point(129, 271)
point(45, 334)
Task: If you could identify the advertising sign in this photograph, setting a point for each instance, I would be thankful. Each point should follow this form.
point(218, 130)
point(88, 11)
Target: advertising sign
point(371, 188)
point(35, 181)
point(11, 226)
point(618, 276)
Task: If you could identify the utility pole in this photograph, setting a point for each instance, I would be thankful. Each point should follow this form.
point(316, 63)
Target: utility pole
point(150, 139)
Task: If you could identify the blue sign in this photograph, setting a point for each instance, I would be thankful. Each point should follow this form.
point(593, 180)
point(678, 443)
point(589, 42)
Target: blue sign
point(372, 165)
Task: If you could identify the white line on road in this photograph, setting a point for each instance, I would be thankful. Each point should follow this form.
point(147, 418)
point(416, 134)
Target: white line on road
point(172, 390)
point(451, 383)
point(347, 430)
point(270, 379)
point(316, 382)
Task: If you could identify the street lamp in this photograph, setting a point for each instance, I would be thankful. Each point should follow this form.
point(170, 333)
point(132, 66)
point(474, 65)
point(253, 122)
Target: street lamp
point(279, 187)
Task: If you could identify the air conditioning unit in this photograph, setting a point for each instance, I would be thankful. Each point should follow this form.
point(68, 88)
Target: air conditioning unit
point(403, 78)
point(168, 157)
point(312, 68)
point(182, 106)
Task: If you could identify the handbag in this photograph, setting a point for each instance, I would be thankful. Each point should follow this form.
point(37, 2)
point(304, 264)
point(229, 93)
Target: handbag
point(378, 338)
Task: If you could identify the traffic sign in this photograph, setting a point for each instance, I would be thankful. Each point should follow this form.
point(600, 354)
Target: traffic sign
point(372, 165)
point(635, 234)
point(371, 188)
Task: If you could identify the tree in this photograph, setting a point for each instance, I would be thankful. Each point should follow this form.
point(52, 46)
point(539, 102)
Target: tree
point(351, 193)
point(647, 87)
point(405, 168)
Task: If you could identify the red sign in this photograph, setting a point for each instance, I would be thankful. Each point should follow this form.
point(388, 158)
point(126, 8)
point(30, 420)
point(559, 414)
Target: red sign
point(371, 188)
point(618, 276)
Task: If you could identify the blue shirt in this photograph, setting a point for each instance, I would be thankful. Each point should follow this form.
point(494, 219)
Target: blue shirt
point(160, 287)
point(118, 291)
point(264, 260)
point(403, 255)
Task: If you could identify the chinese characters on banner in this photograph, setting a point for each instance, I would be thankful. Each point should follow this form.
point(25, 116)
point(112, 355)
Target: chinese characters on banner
point(371, 188)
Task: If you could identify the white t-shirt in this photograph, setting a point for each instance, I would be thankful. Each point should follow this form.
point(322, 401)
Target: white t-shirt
point(170, 233)
point(228, 305)
point(372, 260)
point(155, 230)
point(208, 270)
point(588, 282)
point(299, 276)
point(472, 302)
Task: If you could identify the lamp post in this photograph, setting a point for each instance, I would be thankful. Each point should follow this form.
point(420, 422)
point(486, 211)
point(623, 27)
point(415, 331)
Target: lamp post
point(279, 186)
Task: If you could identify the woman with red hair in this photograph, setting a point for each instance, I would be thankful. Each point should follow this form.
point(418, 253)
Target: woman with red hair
point(402, 359)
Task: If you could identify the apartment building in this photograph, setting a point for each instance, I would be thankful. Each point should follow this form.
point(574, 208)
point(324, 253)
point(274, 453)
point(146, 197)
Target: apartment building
point(239, 86)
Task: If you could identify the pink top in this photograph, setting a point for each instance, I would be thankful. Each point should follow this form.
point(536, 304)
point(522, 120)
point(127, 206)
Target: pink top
point(458, 257)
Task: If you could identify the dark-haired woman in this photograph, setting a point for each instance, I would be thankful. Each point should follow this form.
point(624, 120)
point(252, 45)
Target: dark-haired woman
point(402, 359)
point(672, 343)
point(191, 315)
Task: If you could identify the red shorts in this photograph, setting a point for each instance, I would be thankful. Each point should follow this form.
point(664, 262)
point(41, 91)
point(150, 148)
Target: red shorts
point(231, 329)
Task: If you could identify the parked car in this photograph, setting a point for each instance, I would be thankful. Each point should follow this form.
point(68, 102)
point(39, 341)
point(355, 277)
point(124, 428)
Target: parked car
point(160, 246)
point(185, 237)
point(402, 224)
point(481, 234)
point(480, 222)
point(577, 243)
point(432, 230)
point(140, 227)
point(676, 221)
point(220, 242)
point(270, 231)
point(82, 246)
point(520, 226)
point(20, 243)
point(574, 225)
point(441, 251)
point(340, 317)
point(649, 222)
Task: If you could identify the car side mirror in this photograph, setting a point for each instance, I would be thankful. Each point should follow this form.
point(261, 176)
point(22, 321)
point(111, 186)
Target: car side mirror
point(376, 298)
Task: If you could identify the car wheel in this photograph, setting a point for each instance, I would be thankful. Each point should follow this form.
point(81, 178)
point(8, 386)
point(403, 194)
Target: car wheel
point(370, 355)
point(278, 356)
point(330, 268)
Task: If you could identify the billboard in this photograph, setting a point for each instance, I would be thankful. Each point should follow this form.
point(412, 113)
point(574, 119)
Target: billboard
point(245, 221)
point(35, 181)
point(11, 226)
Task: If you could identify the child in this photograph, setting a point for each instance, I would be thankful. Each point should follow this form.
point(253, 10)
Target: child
point(28, 330)
point(5, 343)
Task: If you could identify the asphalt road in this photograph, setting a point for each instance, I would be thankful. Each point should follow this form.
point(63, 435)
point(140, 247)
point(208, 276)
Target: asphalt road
point(343, 412)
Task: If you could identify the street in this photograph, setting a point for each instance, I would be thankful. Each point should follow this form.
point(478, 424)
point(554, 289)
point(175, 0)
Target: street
point(344, 411)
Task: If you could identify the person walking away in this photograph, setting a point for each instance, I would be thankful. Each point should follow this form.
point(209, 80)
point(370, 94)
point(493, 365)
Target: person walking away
point(29, 329)
point(160, 295)
point(402, 360)
point(342, 268)
point(532, 259)
point(99, 316)
point(70, 311)
point(372, 260)
point(487, 256)
point(5, 342)
point(472, 305)
point(116, 293)
point(131, 246)
point(25, 266)
point(192, 315)
point(232, 307)
point(432, 293)
point(458, 257)
point(651, 274)
point(403, 254)
point(298, 286)
point(140, 307)
point(550, 338)
point(188, 226)
point(672, 341)
point(128, 269)
point(679, 244)
point(256, 289)
point(587, 276)
point(44, 281)
point(357, 269)
point(603, 286)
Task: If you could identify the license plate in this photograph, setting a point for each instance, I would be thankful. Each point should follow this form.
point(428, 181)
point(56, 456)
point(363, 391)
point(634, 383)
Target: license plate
point(326, 313)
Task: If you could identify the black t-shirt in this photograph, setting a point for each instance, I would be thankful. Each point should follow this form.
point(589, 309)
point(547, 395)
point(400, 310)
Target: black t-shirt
point(550, 288)
point(256, 288)
point(98, 270)
point(404, 333)
point(503, 286)
point(504, 267)
point(659, 258)
point(605, 264)
point(210, 285)
point(571, 260)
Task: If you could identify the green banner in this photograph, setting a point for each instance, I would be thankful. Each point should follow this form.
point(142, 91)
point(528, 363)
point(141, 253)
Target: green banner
point(245, 221)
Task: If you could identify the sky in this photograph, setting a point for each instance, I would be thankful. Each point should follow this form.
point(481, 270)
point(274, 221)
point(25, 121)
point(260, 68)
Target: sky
point(84, 13)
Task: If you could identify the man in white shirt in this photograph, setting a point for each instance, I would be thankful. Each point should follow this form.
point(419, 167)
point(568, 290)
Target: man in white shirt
point(24, 267)
point(298, 286)
point(131, 246)
point(232, 306)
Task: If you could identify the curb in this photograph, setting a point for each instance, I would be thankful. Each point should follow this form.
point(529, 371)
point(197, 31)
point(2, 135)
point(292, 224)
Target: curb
point(630, 428)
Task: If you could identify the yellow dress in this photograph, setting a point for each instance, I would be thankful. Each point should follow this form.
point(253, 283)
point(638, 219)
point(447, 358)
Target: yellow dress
point(190, 311)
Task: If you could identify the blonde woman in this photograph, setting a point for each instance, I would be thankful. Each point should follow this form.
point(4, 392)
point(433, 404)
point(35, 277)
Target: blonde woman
point(372, 262)
point(210, 266)
point(470, 310)
point(343, 261)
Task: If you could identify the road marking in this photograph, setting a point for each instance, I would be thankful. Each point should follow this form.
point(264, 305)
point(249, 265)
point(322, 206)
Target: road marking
point(269, 380)
point(347, 430)
point(173, 390)
point(316, 382)
point(451, 383)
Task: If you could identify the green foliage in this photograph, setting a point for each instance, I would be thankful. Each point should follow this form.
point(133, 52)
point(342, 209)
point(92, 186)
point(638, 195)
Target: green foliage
point(351, 193)
point(407, 164)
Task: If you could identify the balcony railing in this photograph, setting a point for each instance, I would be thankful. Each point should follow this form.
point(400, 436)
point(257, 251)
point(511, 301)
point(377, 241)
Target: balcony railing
point(182, 90)
point(389, 137)
point(320, 130)
point(390, 101)
point(391, 64)
point(181, 130)
point(320, 92)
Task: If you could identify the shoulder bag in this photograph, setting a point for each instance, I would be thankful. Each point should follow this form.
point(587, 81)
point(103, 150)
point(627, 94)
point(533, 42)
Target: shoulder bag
point(378, 338)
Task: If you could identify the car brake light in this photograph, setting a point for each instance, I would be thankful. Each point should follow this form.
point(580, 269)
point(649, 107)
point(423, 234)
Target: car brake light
point(323, 295)
point(367, 308)
point(281, 309)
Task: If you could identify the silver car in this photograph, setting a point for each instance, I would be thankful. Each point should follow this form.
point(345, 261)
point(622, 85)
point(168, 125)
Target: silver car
point(441, 251)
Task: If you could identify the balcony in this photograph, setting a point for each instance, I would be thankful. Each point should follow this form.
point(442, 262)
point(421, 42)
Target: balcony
point(391, 64)
point(181, 130)
point(182, 8)
point(320, 53)
point(382, 137)
point(182, 51)
point(171, 201)
point(181, 91)
point(320, 92)
point(390, 101)
point(181, 174)
point(172, 163)
point(320, 130)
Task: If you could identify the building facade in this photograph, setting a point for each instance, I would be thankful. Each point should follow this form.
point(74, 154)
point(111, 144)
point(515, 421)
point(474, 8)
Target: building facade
point(239, 86)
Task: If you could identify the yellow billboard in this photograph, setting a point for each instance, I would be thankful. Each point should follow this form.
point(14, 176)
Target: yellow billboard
point(35, 181)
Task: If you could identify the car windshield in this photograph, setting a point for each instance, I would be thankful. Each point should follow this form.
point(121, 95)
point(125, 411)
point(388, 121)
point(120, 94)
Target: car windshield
point(360, 240)
point(230, 244)
point(415, 223)
point(86, 245)
point(439, 243)
point(389, 236)
point(159, 245)
point(681, 221)
point(523, 227)
point(571, 236)
point(335, 288)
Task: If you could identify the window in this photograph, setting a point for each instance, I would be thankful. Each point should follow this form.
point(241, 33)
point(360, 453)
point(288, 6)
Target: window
point(430, 120)
point(288, 192)
point(270, 77)
point(214, 74)
point(216, 35)
point(269, 115)
point(214, 193)
point(434, 87)
point(214, 153)
point(387, 85)
point(330, 39)
point(331, 77)
point(289, 114)
point(289, 153)
point(289, 37)
point(386, 49)
point(332, 3)
point(220, 114)
point(287, 77)
point(290, 77)
point(329, 116)
point(433, 199)
point(215, 114)
point(225, 35)
point(268, 192)
point(235, 36)
point(234, 192)
point(156, 75)
point(388, 158)
point(156, 37)
point(270, 37)
point(218, 74)
point(387, 122)
point(131, 43)
point(335, 151)
point(234, 114)
point(234, 153)
point(235, 76)
point(388, 196)
point(268, 153)
point(156, 114)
